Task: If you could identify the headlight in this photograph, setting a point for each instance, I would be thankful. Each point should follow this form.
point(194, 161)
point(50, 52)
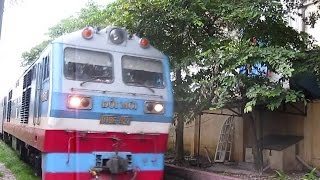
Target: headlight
point(117, 36)
point(74, 101)
point(79, 102)
point(158, 107)
point(154, 107)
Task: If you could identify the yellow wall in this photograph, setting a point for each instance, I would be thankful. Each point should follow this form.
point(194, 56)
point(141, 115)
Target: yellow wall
point(312, 135)
point(210, 126)
point(273, 123)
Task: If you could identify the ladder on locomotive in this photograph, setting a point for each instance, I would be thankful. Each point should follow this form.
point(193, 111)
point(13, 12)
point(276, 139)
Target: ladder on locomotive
point(224, 147)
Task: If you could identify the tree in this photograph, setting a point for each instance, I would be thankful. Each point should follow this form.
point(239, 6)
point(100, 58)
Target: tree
point(219, 38)
point(279, 48)
point(33, 54)
point(214, 35)
point(92, 15)
point(180, 29)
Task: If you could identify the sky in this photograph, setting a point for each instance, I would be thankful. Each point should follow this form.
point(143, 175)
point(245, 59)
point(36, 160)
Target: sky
point(24, 25)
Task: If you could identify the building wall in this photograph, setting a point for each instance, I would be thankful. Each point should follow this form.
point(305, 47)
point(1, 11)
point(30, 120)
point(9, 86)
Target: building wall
point(299, 25)
point(311, 136)
point(273, 123)
point(210, 127)
point(189, 136)
point(278, 123)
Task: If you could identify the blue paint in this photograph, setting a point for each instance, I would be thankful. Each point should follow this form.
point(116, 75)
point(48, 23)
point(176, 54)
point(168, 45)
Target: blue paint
point(83, 162)
point(170, 100)
point(59, 100)
point(59, 109)
point(96, 116)
point(56, 68)
point(256, 70)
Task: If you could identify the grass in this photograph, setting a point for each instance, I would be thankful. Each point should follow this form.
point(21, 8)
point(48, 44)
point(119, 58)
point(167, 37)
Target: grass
point(10, 159)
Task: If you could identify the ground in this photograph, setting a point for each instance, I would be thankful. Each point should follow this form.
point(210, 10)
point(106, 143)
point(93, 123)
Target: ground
point(236, 170)
point(5, 174)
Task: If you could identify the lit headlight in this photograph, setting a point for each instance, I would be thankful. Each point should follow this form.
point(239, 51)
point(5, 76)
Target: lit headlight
point(117, 36)
point(74, 101)
point(79, 102)
point(158, 107)
point(154, 107)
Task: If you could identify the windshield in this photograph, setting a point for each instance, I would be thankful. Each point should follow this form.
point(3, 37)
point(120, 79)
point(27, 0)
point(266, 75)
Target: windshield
point(85, 65)
point(140, 71)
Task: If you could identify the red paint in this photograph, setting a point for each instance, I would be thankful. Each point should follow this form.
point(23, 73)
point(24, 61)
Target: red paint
point(143, 175)
point(30, 135)
point(62, 141)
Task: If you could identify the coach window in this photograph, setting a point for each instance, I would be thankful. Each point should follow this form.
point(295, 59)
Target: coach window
point(9, 106)
point(46, 67)
point(34, 72)
point(138, 71)
point(85, 65)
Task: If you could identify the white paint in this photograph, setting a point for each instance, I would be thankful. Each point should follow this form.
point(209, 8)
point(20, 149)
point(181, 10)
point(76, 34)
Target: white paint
point(95, 126)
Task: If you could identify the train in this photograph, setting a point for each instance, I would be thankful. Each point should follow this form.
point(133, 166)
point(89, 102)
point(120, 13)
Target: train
point(96, 104)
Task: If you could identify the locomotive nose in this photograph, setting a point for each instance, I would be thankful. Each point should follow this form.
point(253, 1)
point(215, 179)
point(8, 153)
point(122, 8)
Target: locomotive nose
point(117, 165)
point(114, 164)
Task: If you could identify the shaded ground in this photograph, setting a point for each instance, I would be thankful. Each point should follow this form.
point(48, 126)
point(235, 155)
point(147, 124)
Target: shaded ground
point(237, 170)
point(5, 174)
point(246, 171)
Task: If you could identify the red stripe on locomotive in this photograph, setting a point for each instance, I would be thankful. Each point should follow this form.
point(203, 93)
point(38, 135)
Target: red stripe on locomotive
point(64, 141)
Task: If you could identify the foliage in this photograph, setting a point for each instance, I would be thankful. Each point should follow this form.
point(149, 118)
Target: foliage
point(30, 56)
point(214, 35)
point(308, 62)
point(252, 89)
point(280, 175)
point(92, 15)
point(277, 47)
point(10, 159)
point(311, 175)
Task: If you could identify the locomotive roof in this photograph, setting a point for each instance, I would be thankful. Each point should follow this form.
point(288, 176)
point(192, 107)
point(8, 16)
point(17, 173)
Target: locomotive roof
point(100, 40)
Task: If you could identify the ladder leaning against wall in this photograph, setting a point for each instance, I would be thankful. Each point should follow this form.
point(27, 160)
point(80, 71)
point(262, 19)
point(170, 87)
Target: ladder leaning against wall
point(224, 146)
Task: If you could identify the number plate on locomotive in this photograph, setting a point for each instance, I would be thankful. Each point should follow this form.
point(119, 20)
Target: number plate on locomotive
point(115, 120)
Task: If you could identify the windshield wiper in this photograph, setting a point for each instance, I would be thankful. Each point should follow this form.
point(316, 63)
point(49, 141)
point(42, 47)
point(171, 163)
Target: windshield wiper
point(142, 85)
point(152, 90)
point(92, 78)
